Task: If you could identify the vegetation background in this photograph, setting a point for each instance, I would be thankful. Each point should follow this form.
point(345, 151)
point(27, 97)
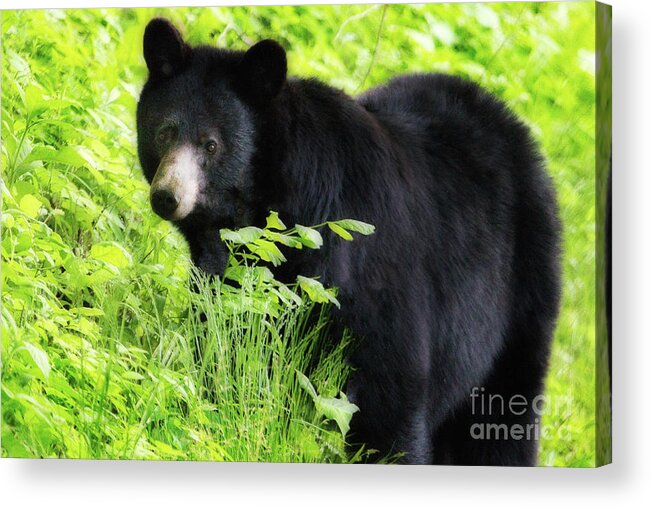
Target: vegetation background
point(96, 339)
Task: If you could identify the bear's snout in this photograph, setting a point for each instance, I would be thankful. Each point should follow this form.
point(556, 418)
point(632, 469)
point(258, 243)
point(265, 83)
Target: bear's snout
point(164, 203)
point(177, 184)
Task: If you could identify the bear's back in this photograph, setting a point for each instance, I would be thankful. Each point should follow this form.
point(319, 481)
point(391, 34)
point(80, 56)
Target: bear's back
point(437, 98)
point(449, 117)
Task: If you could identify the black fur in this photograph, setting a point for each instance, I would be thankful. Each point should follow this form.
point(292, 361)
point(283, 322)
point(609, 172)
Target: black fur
point(459, 286)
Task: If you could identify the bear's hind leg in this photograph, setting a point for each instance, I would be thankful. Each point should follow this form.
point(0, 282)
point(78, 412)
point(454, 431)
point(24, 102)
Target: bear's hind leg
point(499, 422)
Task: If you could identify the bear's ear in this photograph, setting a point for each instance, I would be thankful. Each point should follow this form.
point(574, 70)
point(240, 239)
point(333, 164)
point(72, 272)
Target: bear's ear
point(263, 71)
point(164, 50)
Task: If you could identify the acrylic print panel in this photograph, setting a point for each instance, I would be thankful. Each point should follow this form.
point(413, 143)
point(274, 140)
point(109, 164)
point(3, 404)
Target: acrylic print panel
point(207, 257)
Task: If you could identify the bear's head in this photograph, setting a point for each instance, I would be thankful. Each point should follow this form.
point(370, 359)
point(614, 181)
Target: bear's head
point(196, 124)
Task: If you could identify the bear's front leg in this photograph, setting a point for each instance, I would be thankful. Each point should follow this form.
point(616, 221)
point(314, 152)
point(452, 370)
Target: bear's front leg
point(393, 421)
point(208, 251)
point(395, 412)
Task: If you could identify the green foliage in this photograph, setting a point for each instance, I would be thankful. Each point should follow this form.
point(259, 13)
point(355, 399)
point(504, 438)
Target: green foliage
point(257, 339)
point(98, 347)
point(339, 409)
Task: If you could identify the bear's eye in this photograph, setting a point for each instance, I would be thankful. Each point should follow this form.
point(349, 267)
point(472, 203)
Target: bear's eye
point(166, 135)
point(211, 147)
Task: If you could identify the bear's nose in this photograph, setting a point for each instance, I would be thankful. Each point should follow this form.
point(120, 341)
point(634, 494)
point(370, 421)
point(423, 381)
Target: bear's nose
point(164, 203)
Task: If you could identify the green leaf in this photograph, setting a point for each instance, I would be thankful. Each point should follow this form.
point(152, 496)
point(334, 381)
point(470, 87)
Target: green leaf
point(338, 409)
point(284, 239)
point(75, 156)
point(423, 39)
point(230, 236)
point(486, 16)
point(30, 205)
point(111, 253)
point(87, 312)
point(316, 291)
point(250, 234)
point(267, 251)
point(288, 295)
point(355, 226)
point(34, 100)
point(40, 359)
point(235, 273)
point(18, 63)
point(311, 238)
point(340, 231)
point(274, 222)
point(7, 220)
point(262, 274)
point(305, 383)
point(241, 236)
point(442, 31)
point(102, 275)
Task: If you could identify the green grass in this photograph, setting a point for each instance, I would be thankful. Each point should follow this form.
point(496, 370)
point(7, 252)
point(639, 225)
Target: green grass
point(98, 346)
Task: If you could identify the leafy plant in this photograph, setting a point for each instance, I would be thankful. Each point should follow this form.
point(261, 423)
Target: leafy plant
point(257, 339)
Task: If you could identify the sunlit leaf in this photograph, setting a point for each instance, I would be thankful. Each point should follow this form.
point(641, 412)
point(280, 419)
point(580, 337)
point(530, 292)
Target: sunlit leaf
point(356, 226)
point(112, 253)
point(340, 231)
point(284, 239)
point(30, 205)
point(311, 238)
point(316, 291)
point(274, 222)
point(268, 250)
point(40, 358)
point(339, 409)
point(241, 236)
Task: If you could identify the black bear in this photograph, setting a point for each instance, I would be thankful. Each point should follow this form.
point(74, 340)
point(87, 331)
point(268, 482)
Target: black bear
point(456, 294)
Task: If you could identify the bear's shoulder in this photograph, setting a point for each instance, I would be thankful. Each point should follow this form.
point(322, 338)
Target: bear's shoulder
point(439, 93)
